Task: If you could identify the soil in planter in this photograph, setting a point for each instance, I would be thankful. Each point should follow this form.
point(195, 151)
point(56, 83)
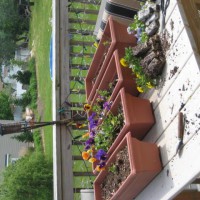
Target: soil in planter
point(118, 172)
point(152, 56)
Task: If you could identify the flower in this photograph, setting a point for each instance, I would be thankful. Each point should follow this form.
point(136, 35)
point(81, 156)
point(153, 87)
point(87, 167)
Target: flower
point(140, 89)
point(92, 160)
point(96, 44)
point(130, 31)
point(149, 85)
point(85, 155)
point(87, 107)
point(91, 117)
point(89, 143)
point(89, 151)
point(86, 135)
point(101, 155)
point(100, 98)
point(93, 122)
point(137, 75)
point(98, 168)
point(92, 134)
point(123, 62)
point(79, 125)
point(107, 105)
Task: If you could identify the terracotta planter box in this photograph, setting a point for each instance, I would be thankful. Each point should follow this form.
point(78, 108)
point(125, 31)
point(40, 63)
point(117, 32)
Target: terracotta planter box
point(124, 76)
point(115, 36)
point(145, 164)
point(138, 116)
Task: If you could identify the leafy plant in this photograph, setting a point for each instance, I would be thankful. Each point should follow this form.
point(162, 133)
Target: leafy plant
point(144, 82)
point(24, 137)
point(108, 131)
point(5, 108)
point(31, 177)
point(113, 168)
point(138, 28)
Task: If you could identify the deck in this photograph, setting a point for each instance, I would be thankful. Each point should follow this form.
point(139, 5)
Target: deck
point(179, 91)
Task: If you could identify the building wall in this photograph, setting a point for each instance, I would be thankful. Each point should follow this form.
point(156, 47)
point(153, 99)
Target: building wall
point(10, 146)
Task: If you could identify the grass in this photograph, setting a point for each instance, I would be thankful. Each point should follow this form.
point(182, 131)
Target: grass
point(40, 34)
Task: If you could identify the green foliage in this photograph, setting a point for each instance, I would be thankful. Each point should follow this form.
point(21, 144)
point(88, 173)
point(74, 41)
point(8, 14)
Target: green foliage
point(12, 25)
point(30, 178)
point(20, 63)
point(37, 140)
point(139, 25)
point(24, 137)
point(23, 77)
point(130, 58)
point(5, 107)
point(108, 130)
point(144, 83)
point(113, 168)
point(29, 98)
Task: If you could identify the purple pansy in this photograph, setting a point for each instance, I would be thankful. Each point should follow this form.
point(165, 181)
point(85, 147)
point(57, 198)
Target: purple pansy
point(91, 117)
point(101, 155)
point(107, 105)
point(89, 143)
point(102, 164)
point(92, 134)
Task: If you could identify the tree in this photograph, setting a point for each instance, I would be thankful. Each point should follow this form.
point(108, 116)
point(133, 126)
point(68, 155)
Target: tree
point(12, 26)
point(24, 137)
point(23, 77)
point(5, 107)
point(29, 178)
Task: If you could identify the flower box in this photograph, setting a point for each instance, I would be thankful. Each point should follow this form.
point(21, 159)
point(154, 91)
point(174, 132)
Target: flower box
point(123, 76)
point(138, 116)
point(115, 36)
point(144, 162)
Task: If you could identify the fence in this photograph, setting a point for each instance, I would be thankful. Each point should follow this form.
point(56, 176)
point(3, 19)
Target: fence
point(73, 25)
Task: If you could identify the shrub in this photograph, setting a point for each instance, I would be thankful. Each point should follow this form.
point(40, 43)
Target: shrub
point(29, 178)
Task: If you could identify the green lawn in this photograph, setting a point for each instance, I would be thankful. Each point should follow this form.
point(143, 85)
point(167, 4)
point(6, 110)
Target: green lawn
point(40, 34)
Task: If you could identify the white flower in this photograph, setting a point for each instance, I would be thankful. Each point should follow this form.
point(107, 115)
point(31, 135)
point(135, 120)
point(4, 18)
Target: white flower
point(129, 31)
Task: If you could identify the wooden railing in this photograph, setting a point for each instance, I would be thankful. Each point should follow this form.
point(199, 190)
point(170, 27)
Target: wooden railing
point(62, 89)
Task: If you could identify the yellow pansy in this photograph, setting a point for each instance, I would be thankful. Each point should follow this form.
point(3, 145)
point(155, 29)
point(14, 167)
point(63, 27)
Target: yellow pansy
point(79, 125)
point(87, 107)
point(137, 75)
point(98, 169)
point(89, 151)
point(140, 89)
point(96, 44)
point(85, 155)
point(149, 85)
point(123, 62)
point(92, 160)
point(86, 135)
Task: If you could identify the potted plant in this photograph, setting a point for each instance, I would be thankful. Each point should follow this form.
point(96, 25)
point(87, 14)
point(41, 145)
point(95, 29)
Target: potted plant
point(138, 116)
point(117, 75)
point(129, 169)
point(109, 125)
point(115, 36)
